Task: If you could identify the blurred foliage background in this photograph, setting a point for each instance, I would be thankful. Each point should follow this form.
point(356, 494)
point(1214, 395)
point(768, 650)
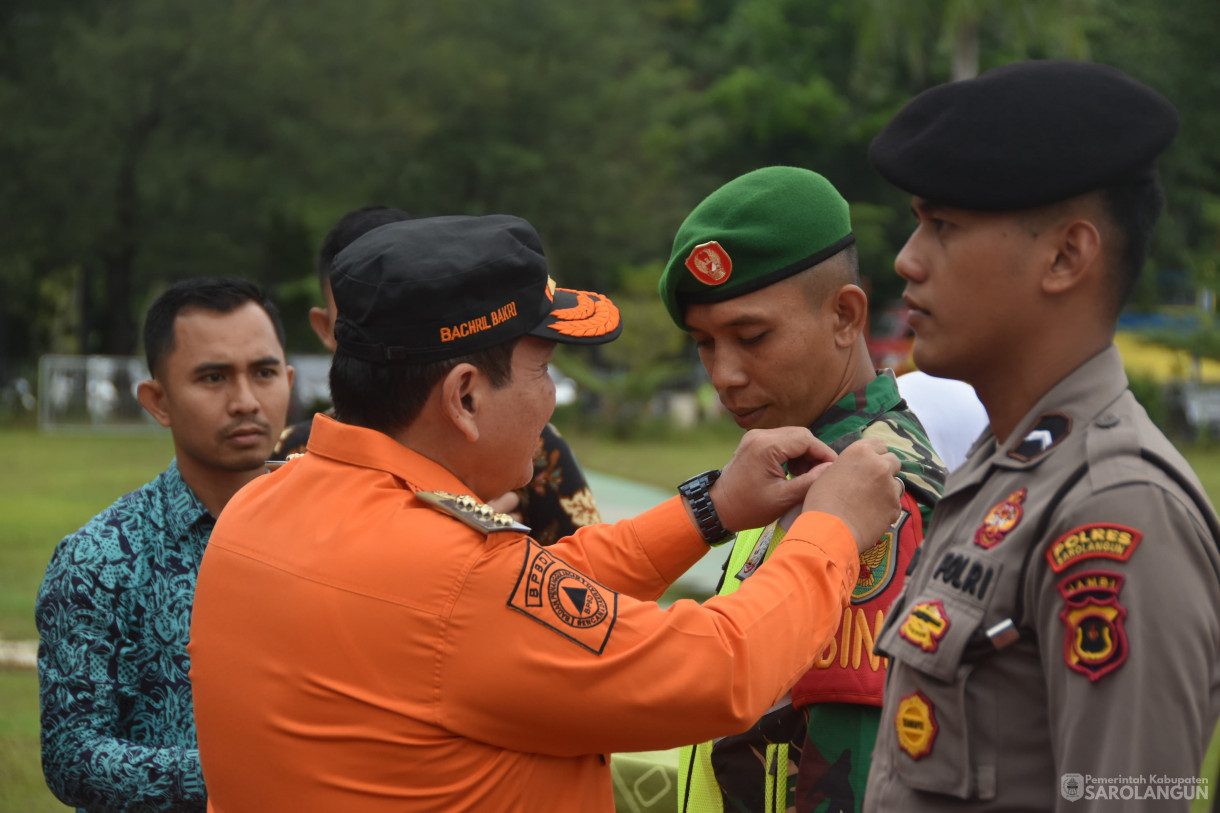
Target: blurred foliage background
point(149, 140)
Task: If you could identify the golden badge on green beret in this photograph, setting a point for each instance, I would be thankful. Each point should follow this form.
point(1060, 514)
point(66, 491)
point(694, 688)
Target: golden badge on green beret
point(710, 263)
point(755, 230)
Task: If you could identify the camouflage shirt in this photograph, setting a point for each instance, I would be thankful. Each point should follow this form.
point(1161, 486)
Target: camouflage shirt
point(811, 752)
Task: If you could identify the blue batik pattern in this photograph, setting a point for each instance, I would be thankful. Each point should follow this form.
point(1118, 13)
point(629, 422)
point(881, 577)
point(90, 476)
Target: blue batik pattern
point(114, 616)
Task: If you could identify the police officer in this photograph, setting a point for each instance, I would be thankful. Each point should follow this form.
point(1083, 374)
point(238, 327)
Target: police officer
point(1057, 645)
point(369, 635)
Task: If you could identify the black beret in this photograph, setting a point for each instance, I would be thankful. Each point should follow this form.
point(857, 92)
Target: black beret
point(1025, 135)
point(437, 288)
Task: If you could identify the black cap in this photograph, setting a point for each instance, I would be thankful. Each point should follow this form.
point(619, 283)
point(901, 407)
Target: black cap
point(1025, 135)
point(440, 287)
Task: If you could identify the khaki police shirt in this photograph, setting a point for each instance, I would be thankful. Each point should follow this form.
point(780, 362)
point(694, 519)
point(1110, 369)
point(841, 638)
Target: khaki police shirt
point(1105, 564)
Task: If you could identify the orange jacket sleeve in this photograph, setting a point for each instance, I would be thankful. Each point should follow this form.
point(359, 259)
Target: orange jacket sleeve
point(640, 557)
point(579, 668)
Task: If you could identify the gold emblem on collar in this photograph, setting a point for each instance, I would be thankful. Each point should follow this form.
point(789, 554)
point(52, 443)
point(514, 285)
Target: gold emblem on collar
point(477, 515)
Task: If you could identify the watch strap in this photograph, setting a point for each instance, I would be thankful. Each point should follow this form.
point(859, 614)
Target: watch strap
point(696, 491)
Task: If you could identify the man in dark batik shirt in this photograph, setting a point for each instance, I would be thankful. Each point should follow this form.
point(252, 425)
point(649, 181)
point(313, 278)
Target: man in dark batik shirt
point(554, 503)
point(114, 610)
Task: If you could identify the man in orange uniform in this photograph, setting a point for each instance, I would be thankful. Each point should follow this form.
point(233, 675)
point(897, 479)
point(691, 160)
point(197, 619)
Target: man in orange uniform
point(368, 636)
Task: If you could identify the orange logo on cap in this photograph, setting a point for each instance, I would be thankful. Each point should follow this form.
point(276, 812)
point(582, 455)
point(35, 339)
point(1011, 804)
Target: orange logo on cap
point(710, 263)
point(593, 315)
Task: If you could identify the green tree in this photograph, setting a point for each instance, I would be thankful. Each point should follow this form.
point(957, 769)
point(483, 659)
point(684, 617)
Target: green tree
point(147, 144)
point(956, 34)
point(1173, 49)
point(152, 140)
point(650, 355)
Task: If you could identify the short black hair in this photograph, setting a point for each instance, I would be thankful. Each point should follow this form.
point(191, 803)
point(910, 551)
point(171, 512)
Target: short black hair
point(389, 397)
point(1133, 209)
point(351, 227)
point(222, 295)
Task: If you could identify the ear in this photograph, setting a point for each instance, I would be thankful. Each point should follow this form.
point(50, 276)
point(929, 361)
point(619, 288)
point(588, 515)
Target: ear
point(320, 321)
point(850, 305)
point(151, 395)
point(1077, 258)
point(461, 394)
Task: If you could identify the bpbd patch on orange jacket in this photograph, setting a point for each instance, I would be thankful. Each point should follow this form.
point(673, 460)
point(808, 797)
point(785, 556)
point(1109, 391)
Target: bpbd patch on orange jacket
point(1098, 541)
point(1094, 641)
point(556, 595)
point(1001, 519)
point(925, 625)
point(916, 725)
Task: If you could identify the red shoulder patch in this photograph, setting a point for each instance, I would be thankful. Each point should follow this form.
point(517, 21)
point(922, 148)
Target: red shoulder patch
point(1101, 540)
point(556, 595)
point(1094, 640)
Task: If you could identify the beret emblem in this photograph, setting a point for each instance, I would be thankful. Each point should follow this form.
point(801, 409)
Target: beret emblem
point(710, 263)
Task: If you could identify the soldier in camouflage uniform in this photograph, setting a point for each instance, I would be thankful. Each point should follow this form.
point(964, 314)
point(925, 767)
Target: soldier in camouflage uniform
point(764, 276)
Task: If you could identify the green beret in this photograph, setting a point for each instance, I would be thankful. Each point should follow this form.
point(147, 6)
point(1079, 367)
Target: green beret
point(1024, 135)
point(755, 230)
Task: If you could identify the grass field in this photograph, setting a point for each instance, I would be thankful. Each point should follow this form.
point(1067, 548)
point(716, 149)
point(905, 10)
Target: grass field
point(51, 484)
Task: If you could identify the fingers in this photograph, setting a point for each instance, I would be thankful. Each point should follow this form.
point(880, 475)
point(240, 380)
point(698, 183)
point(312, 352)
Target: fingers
point(508, 504)
point(802, 482)
point(753, 488)
point(862, 489)
point(858, 485)
point(794, 445)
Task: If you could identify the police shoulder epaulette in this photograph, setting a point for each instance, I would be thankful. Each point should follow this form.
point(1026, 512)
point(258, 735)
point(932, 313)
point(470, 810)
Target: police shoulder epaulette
point(477, 515)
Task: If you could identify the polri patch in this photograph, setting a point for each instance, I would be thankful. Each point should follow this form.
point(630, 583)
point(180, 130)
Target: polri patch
point(969, 577)
point(1094, 640)
point(916, 724)
point(925, 625)
point(1042, 436)
point(1101, 540)
point(1001, 519)
point(710, 263)
point(558, 596)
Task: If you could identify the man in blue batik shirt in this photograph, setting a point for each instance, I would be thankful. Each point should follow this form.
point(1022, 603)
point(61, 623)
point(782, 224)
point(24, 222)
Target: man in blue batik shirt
point(114, 609)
